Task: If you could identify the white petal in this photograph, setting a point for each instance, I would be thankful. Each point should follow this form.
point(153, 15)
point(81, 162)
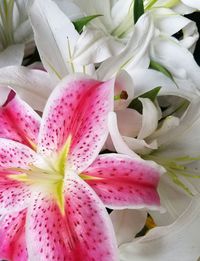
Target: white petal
point(127, 223)
point(134, 54)
point(55, 37)
point(140, 146)
point(124, 144)
point(183, 9)
point(168, 21)
point(120, 11)
point(169, 123)
point(4, 94)
point(192, 3)
point(72, 11)
point(23, 32)
point(34, 86)
point(129, 122)
point(94, 46)
point(150, 117)
point(12, 55)
point(116, 137)
point(173, 199)
point(124, 82)
point(183, 140)
point(190, 36)
point(182, 65)
point(92, 7)
point(179, 241)
point(147, 79)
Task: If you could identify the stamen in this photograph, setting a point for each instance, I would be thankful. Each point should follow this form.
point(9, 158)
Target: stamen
point(175, 169)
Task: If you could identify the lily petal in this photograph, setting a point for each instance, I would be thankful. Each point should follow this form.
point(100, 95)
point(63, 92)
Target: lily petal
point(182, 67)
point(12, 55)
point(171, 242)
point(134, 54)
point(173, 199)
point(192, 3)
point(188, 133)
point(93, 46)
point(78, 107)
point(84, 230)
point(170, 22)
point(12, 234)
point(14, 154)
point(125, 83)
point(14, 195)
point(183, 9)
point(147, 79)
point(150, 117)
point(18, 121)
point(33, 86)
point(55, 37)
point(127, 223)
point(129, 121)
point(92, 7)
point(120, 142)
point(123, 182)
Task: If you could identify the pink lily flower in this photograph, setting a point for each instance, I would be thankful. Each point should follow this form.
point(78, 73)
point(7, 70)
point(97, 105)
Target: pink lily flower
point(53, 185)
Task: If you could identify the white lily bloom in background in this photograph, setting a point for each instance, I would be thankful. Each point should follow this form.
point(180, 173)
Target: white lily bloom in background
point(55, 38)
point(174, 144)
point(15, 32)
point(136, 56)
point(168, 22)
point(178, 241)
point(114, 28)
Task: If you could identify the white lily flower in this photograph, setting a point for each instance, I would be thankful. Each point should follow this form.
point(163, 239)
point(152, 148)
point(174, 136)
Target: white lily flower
point(15, 32)
point(135, 59)
point(174, 145)
point(178, 241)
point(55, 37)
point(54, 31)
point(169, 22)
point(114, 28)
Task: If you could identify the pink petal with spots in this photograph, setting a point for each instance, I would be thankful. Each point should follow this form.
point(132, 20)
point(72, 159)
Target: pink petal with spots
point(12, 234)
point(78, 107)
point(14, 195)
point(123, 182)
point(15, 155)
point(18, 121)
point(84, 233)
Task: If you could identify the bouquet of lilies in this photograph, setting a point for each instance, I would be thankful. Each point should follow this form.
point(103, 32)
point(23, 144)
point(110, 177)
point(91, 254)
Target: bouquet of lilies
point(99, 130)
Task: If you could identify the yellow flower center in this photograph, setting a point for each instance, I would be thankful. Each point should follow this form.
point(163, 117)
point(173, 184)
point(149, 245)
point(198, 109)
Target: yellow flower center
point(48, 173)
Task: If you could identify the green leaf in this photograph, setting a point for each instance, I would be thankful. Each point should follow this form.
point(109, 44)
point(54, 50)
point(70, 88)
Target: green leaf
point(81, 22)
point(138, 10)
point(136, 103)
point(158, 67)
